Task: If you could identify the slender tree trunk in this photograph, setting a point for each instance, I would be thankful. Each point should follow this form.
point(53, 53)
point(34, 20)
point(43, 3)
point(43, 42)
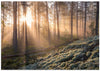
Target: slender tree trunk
point(3, 26)
point(57, 20)
point(54, 26)
point(77, 20)
point(97, 20)
point(35, 18)
point(82, 19)
point(15, 26)
point(47, 22)
point(85, 20)
point(18, 20)
point(38, 22)
point(72, 20)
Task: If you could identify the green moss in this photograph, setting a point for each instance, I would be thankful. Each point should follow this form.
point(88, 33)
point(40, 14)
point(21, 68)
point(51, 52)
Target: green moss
point(95, 54)
point(66, 58)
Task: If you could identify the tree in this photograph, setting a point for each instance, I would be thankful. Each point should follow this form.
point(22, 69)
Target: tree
point(57, 12)
point(77, 20)
point(54, 24)
point(38, 21)
point(47, 22)
point(97, 19)
point(35, 5)
point(72, 20)
point(85, 20)
point(15, 25)
point(3, 23)
point(18, 8)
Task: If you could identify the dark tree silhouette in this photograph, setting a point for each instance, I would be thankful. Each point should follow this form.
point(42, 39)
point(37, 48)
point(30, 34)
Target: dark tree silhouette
point(72, 20)
point(57, 12)
point(97, 19)
point(77, 20)
point(18, 8)
point(85, 20)
point(15, 26)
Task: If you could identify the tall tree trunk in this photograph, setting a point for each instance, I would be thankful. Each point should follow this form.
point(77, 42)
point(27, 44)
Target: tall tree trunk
point(47, 22)
point(18, 20)
point(3, 24)
point(85, 20)
point(35, 5)
point(72, 20)
point(77, 20)
point(97, 20)
point(54, 25)
point(57, 20)
point(82, 20)
point(15, 26)
point(38, 22)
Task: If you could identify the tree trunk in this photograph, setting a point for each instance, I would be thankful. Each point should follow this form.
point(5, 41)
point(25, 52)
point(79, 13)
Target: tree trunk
point(77, 20)
point(3, 25)
point(38, 22)
point(97, 20)
point(47, 22)
point(15, 26)
point(72, 20)
point(57, 20)
point(82, 20)
point(18, 20)
point(35, 18)
point(85, 20)
point(54, 26)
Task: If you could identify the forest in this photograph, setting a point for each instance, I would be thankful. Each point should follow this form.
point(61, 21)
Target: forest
point(46, 35)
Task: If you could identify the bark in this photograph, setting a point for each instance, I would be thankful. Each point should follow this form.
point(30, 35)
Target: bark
point(97, 20)
point(18, 20)
point(77, 20)
point(85, 20)
point(35, 18)
point(72, 20)
point(15, 26)
point(47, 22)
point(58, 34)
point(54, 25)
point(38, 22)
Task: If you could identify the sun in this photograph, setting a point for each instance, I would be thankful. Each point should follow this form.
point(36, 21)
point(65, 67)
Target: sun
point(28, 17)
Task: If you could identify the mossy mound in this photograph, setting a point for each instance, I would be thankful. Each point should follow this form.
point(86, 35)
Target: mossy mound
point(81, 54)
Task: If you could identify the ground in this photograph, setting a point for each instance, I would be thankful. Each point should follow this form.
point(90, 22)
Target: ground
point(81, 54)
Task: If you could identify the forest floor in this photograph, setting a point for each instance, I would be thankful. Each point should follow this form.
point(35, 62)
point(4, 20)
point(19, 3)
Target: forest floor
point(80, 54)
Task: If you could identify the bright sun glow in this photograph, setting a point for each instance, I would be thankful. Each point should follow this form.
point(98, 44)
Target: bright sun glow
point(28, 17)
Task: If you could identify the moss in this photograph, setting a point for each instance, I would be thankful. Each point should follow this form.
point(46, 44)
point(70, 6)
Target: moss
point(66, 58)
point(63, 64)
point(88, 54)
point(79, 57)
point(72, 66)
point(95, 54)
